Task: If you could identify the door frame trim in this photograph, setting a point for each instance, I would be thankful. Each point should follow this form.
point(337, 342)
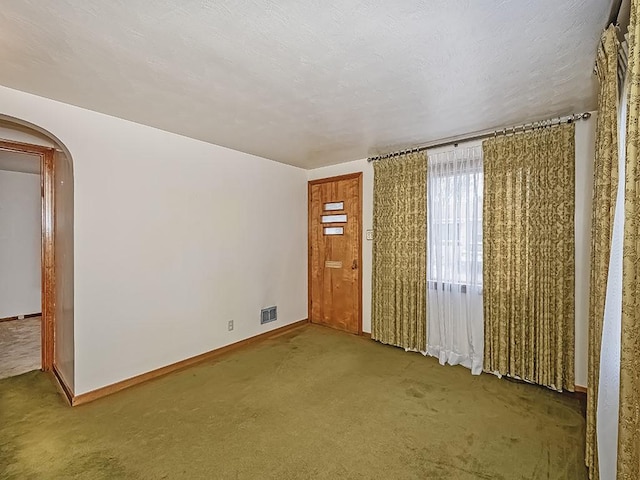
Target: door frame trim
point(310, 183)
point(47, 261)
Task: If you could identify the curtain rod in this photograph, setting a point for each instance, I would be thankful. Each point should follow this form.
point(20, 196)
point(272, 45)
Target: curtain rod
point(492, 133)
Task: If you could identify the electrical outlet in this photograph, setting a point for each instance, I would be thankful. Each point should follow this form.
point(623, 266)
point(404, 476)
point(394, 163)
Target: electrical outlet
point(230, 325)
point(369, 235)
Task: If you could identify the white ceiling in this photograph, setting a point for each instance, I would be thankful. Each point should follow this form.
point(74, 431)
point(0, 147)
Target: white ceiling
point(308, 82)
point(19, 162)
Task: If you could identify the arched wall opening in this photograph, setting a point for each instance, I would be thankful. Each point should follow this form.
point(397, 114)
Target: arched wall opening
point(57, 243)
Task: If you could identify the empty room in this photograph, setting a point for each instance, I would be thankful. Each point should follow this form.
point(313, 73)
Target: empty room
point(320, 240)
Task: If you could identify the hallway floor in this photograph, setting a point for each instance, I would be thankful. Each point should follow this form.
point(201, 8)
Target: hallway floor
point(19, 346)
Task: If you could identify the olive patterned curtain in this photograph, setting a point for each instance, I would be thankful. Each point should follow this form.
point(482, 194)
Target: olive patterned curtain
point(399, 251)
point(529, 265)
point(605, 187)
point(629, 425)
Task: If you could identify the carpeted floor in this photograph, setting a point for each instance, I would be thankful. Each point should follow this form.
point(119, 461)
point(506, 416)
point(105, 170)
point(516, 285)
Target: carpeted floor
point(312, 403)
point(19, 346)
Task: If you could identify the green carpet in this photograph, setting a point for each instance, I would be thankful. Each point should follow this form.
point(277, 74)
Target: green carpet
point(312, 403)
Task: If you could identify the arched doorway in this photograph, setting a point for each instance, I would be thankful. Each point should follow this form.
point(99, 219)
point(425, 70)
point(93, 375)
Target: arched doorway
point(56, 172)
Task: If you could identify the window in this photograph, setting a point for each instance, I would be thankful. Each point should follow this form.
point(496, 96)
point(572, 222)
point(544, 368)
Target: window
point(454, 224)
point(454, 253)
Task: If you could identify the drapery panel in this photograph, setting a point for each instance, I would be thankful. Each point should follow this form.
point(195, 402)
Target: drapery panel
point(603, 208)
point(399, 280)
point(628, 464)
point(529, 261)
point(454, 257)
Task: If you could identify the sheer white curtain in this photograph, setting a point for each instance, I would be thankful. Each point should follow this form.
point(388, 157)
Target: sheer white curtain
point(454, 258)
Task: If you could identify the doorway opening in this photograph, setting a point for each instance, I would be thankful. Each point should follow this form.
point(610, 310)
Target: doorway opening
point(20, 262)
point(26, 305)
point(37, 159)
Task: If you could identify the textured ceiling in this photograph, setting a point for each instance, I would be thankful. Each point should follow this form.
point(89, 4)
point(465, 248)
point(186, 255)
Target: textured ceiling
point(19, 162)
point(308, 82)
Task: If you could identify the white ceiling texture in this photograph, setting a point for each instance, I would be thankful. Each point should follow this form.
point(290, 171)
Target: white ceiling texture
point(308, 82)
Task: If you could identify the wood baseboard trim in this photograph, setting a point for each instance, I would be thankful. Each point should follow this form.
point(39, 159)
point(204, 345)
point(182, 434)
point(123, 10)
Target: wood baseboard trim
point(66, 392)
point(366, 335)
point(30, 315)
point(174, 367)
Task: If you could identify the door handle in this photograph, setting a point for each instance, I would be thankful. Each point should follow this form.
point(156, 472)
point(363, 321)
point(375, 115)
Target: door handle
point(354, 265)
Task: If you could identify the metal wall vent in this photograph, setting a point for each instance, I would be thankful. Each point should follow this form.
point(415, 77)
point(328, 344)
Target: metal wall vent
point(269, 314)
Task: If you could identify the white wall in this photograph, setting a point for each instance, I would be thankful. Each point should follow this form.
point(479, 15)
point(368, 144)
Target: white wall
point(585, 146)
point(19, 133)
point(173, 237)
point(20, 240)
point(585, 154)
point(63, 239)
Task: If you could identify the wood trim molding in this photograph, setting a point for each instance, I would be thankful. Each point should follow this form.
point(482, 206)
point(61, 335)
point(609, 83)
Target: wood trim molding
point(366, 335)
point(309, 273)
point(359, 176)
point(48, 260)
point(174, 367)
point(348, 176)
point(67, 393)
point(24, 317)
point(13, 146)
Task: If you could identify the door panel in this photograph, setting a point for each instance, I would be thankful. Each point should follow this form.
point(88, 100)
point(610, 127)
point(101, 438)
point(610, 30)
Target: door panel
point(335, 238)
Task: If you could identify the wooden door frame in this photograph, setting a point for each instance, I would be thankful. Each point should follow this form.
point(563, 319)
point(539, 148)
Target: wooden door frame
point(47, 262)
point(311, 183)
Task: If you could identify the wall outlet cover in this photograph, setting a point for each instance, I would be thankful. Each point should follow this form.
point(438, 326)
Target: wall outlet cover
point(369, 235)
point(230, 325)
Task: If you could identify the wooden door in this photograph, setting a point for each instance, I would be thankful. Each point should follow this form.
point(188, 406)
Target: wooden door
point(335, 252)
